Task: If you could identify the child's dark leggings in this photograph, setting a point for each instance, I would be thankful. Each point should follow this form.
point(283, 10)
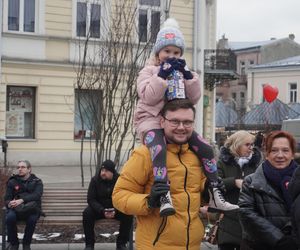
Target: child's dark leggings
point(155, 141)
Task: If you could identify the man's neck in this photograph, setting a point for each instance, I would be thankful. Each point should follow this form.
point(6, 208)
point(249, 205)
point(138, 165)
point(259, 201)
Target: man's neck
point(25, 177)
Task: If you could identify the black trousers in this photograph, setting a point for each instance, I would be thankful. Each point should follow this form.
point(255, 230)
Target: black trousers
point(229, 247)
point(89, 217)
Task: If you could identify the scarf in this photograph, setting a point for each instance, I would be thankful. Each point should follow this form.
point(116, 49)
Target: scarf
point(243, 160)
point(280, 178)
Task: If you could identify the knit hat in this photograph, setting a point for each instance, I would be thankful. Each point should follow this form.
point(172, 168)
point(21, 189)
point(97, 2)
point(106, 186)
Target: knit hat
point(168, 35)
point(108, 165)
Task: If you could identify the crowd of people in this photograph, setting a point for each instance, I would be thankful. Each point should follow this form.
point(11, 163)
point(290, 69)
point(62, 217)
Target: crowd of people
point(254, 182)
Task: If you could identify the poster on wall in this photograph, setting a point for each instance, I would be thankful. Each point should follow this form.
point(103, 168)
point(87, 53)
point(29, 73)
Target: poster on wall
point(20, 99)
point(15, 123)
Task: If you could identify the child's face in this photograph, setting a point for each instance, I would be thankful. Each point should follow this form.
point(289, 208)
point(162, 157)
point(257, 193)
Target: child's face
point(169, 52)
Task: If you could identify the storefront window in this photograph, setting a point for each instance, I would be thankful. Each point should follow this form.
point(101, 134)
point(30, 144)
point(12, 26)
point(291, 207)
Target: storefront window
point(20, 112)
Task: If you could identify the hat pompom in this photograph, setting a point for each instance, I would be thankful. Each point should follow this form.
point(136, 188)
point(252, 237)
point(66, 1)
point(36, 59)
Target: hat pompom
point(171, 23)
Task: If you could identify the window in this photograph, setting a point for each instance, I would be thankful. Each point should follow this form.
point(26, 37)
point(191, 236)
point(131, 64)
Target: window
point(242, 98)
point(149, 19)
point(87, 102)
point(233, 96)
point(20, 112)
point(88, 17)
point(21, 15)
point(293, 92)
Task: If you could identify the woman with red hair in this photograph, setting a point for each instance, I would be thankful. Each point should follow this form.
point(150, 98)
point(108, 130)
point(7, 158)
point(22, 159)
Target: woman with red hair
point(265, 203)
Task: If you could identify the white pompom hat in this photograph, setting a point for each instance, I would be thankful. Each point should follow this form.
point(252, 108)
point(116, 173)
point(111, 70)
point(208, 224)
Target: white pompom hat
point(168, 35)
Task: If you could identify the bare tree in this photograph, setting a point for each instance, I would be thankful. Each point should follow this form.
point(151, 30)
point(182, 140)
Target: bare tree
point(105, 87)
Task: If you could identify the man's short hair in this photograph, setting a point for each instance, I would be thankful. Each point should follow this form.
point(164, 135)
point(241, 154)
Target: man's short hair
point(178, 104)
point(28, 165)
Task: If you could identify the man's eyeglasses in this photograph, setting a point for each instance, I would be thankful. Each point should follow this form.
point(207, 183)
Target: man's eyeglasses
point(176, 123)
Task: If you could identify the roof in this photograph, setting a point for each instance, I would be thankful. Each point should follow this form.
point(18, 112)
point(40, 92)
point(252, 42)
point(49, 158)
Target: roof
point(248, 45)
point(269, 113)
point(295, 107)
point(225, 116)
point(287, 62)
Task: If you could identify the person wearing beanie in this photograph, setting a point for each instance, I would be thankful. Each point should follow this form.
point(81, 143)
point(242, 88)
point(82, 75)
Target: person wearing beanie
point(165, 78)
point(100, 206)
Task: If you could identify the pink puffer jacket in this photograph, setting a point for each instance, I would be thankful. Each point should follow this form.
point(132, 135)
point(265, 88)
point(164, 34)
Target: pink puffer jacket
point(151, 91)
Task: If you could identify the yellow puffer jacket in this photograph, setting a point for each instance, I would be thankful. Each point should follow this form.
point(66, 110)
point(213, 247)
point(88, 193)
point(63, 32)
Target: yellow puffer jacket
point(182, 231)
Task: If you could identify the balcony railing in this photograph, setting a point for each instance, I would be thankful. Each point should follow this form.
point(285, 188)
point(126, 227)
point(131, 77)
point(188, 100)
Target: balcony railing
point(219, 59)
point(219, 65)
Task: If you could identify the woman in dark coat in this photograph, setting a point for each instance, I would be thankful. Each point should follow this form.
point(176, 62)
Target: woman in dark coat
point(237, 159)
point(265, 202)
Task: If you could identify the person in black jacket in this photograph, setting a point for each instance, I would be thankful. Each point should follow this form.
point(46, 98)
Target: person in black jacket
point(100, 206)
point(21, 189)
point(238, 158)
point(294, 189)
point(265, 202)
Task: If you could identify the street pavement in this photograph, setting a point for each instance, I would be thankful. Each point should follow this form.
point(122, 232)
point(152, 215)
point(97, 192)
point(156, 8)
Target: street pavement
point(98, 246)
point(67, 176)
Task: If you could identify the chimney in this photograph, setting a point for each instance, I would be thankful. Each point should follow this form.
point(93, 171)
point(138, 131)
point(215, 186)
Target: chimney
point(291, 36)
point(223, 43)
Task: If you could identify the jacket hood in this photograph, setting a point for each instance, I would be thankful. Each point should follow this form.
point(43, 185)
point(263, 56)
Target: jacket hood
point(227, 157)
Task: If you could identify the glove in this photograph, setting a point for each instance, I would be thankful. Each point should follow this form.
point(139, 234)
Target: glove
point(286, 242)
point(166, 68)
point(182, 67)
point(158, 189)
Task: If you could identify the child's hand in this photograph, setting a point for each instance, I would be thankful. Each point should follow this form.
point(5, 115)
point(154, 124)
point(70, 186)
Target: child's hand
point(183, 68)
point(165, 70)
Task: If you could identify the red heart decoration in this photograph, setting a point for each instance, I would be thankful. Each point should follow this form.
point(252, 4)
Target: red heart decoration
point(270, 93)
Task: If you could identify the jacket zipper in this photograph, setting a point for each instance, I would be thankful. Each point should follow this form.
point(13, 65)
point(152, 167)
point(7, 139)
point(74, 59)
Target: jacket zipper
point(188, 196)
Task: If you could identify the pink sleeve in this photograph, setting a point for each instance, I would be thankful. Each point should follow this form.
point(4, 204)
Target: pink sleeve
point(192, 88)
point(151, 88)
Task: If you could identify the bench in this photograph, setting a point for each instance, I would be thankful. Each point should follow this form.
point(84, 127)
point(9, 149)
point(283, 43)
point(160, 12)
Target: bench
point(63, 206)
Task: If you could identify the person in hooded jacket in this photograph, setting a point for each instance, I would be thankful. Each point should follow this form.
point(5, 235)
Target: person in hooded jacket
point(22, 188)
point(100, 206)
point(238, 158)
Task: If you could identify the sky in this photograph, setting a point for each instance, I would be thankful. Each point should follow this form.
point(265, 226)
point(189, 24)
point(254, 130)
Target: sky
point(258, 20)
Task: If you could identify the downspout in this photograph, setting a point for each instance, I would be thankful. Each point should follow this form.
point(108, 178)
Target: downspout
point(1, 17)
point(199, 30)
point(213, 8)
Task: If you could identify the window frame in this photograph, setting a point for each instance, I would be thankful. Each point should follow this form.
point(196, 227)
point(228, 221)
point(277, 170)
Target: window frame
point(78, 136)
point(293, 93)
point(38, 16)
point(149, 8)
point(104, 15)
point(33, 106)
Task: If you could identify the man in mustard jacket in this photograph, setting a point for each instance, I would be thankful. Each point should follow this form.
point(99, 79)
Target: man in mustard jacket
point(135, 194)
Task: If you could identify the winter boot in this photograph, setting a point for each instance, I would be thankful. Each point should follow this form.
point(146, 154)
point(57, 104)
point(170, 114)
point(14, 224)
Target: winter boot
point(217, 202)
point(166, 206)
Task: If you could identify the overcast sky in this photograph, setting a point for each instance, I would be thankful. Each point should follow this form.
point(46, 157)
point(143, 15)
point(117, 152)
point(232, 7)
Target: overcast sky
point(258, 20)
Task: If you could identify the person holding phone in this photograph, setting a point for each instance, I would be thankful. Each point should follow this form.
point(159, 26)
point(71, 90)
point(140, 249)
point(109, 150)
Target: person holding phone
point(100, 206)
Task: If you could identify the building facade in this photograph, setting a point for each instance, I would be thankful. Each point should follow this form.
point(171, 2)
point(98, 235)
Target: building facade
point(40, 53)
point(248, 55)
point(282, 74)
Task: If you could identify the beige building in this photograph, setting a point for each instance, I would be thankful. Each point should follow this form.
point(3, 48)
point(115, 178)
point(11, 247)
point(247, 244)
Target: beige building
point(248, 55)
point(39, 54)
point(282, 74)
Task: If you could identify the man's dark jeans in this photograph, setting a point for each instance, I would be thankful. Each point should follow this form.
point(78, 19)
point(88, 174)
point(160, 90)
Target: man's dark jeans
point(12, 231)
point(89, 218)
